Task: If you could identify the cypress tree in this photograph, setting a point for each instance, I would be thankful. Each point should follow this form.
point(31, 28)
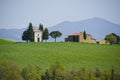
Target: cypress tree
point(41, 29)
point(25, 36)
point(30, 33)
point(84, 35)
point(46, 34)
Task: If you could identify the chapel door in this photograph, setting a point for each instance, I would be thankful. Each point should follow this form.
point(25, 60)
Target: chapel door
point(38, 39)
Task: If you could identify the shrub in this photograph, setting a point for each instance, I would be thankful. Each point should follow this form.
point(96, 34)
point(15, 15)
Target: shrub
point(31, 73)
point(57, 71)
point(9, 71)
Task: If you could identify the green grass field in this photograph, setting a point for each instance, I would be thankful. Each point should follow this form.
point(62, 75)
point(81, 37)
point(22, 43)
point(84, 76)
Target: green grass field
point(2, 41)
point(71, 55)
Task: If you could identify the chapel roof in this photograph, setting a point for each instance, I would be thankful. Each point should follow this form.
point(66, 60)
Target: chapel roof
point(36, 30)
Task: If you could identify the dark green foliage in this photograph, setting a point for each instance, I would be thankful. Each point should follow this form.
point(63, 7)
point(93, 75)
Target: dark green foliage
point(25, 36)
point(28, 35)
point(55, 34)
point(46, 34)
point(46, 76)
point(9, 71)
point(97, 73)
point(41, 27)
point(114, 75)
point(84, 35)
point(82, 74)
point(79, 74)
point(112, 38)
point(117, 37)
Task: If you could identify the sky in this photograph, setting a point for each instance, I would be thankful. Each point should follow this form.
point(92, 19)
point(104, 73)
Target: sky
point(18, 13)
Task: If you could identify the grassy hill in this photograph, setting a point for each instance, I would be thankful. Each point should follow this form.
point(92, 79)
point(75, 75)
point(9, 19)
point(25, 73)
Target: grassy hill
point(2, 41)
point(72, 55)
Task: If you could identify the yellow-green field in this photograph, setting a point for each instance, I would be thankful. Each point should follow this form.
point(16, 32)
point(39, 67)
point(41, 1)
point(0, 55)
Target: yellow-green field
point(71, 55)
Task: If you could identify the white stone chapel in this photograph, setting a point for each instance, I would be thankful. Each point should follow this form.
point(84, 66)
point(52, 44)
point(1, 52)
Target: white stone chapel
point(37, 35)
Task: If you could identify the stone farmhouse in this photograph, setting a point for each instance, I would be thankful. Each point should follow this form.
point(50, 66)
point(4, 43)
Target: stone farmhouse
point(37, 35)
point(103, 42)
point(78, 37)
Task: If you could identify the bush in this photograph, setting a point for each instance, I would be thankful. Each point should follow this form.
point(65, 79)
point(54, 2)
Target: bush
point(9, 71)
point(31, 73)
point(57, 71)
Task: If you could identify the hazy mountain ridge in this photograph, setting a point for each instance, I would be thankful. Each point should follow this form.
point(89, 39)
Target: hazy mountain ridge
point(97, 27)
point(11, 34)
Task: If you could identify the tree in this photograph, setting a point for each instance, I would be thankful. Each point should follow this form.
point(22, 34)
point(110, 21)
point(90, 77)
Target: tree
point(25, 36)
point(117, 37)
point(55, 34)
point(41, 29)
point(84, 35)
point(46, 34)
point(28, 34)
point(111, 38)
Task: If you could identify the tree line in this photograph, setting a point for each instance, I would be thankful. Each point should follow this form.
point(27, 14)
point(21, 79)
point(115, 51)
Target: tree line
point(113, 38)
point(28, 35)
point(10, 71)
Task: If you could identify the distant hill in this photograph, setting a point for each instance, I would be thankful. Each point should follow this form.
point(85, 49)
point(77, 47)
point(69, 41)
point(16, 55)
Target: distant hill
point(5, 41)
point(11, 34)
point(97, 27)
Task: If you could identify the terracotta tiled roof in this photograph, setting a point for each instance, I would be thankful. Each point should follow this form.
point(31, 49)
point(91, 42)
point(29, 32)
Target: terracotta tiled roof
point(76, 34)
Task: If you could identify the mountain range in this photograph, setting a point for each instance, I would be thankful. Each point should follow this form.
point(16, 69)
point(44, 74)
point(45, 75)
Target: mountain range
point(97, 27)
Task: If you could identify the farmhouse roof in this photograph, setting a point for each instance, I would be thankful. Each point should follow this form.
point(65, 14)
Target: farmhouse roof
point(79, 34)
point(76, 34)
